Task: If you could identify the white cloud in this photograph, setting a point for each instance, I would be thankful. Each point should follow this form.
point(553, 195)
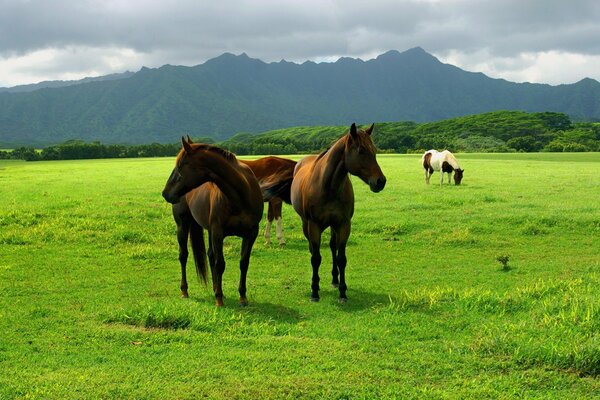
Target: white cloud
point(550, 41)
point(551, 67)
point(49, 64)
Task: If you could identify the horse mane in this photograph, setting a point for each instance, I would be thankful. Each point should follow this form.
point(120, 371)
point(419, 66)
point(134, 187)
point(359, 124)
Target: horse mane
point(209, 147)
point(448, 156)
point(363, 141)
point(321, 154)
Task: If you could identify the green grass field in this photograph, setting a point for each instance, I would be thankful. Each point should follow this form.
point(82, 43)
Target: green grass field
point(90, 306)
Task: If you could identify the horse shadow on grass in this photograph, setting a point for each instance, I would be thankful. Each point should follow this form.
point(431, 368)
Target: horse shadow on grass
point(358, 299)
point(260, 311)
point(274, 312)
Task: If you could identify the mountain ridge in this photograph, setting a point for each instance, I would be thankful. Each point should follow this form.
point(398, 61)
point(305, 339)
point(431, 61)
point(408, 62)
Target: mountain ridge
point(236, 93)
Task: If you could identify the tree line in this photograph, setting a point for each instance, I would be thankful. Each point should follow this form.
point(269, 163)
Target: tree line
point(500, 131)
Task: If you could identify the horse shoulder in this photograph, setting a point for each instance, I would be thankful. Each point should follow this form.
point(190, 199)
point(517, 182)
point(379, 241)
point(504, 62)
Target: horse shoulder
point(308, 160)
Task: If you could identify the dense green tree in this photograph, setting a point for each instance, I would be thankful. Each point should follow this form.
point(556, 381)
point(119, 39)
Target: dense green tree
point(499, 131)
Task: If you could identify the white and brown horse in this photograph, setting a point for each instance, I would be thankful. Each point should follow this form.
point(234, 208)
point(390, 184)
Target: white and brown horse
point(442, 161)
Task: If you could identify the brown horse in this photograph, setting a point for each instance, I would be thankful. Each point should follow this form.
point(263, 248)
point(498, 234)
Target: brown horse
point(273, 170)
point(210, 189)
point(322, 195)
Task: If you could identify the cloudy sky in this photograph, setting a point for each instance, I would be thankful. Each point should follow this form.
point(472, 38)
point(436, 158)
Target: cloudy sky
point(545, 41)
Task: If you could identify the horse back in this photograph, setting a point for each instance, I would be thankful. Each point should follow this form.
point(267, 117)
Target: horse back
point(267, 167)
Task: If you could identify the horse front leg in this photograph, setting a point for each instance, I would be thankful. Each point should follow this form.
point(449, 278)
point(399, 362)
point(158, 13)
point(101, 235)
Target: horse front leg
point(183, 231)
point(342, 235)
point(313, 234)
point(247, 243)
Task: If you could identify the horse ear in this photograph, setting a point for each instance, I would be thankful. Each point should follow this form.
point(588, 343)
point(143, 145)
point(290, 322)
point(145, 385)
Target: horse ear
point(186, 145)
point(369, 130)
point(353, 131)
point(189, 139)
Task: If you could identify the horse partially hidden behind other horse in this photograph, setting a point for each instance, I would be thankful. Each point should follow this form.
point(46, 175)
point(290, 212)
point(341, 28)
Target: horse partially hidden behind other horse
point(210, 189)
point(442, 161)
point(273, 170)
point(322, 195)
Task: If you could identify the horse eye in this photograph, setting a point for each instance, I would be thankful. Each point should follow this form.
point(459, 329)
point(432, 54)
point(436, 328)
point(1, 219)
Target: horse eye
point(178, 170)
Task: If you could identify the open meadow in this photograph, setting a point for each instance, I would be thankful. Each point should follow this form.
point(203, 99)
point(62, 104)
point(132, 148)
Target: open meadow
point(90, 303)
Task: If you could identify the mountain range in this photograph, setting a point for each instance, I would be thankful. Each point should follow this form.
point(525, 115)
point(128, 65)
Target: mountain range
point(231, 94)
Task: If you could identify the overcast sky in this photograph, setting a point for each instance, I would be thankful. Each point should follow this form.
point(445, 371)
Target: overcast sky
point(545, 41)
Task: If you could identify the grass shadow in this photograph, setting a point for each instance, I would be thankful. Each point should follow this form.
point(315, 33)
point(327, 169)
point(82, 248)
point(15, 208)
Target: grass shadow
point(272, 312)
point(358, 299)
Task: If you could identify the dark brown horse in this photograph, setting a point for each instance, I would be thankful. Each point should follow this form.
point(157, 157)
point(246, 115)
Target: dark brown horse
point(210, 189)
point(322, 195)
point(268, 171)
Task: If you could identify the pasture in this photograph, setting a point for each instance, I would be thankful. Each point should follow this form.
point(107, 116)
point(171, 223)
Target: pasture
point(90, 303)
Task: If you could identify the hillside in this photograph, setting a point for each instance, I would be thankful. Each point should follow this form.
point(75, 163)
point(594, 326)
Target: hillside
point(498, 131)
point(232, 94)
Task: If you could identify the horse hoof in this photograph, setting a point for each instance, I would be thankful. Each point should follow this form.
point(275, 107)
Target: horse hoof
point(184, 295)
point(219, 303)
point(343, 300)
point(244, 302)
point(314, 299)
point(335, 285)
point(282, 244)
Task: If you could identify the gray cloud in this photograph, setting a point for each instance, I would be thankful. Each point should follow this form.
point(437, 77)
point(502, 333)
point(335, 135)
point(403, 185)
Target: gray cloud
point(190, 31)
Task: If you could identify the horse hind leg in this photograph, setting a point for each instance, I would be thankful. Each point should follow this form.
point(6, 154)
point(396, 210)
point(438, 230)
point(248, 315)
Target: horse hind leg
point(270, 216)
point(428, 173)
point(277, 205)
point(218, 267)
point(335, 283)
point(313, 234)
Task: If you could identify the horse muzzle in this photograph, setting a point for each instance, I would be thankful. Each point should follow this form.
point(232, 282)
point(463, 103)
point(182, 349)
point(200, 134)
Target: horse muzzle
point(170, 197)
point(377, 184)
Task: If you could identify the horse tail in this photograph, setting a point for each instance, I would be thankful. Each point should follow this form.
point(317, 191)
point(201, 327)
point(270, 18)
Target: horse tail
point(281, 189)
point(199, 250)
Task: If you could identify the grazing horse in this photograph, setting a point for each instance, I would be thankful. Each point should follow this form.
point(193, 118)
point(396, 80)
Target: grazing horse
point(268, 171)
point(442, 161)
point(210, 189)
point(322, 195)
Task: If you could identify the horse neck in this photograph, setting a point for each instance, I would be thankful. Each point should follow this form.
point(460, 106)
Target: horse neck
point(333, 166)
point(229, 179)
point(452, 161)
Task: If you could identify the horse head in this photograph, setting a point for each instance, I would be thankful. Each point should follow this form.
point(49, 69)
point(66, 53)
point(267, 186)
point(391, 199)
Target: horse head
point(458, 175)
point(360, 158)
point(189, 172)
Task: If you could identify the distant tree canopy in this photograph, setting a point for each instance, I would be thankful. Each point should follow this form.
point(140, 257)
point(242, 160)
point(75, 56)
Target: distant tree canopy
point(500, 131)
